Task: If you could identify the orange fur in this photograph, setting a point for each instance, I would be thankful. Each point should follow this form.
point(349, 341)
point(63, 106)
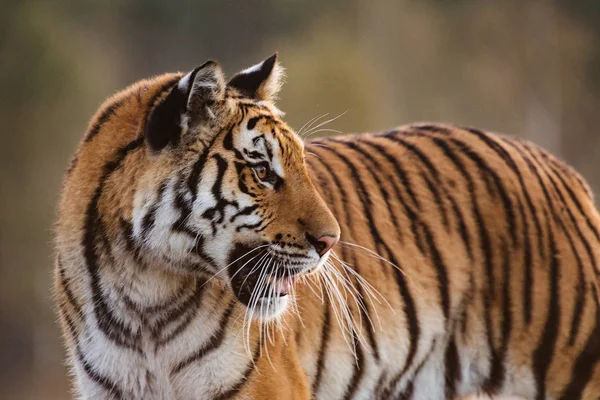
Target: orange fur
point(488, 281)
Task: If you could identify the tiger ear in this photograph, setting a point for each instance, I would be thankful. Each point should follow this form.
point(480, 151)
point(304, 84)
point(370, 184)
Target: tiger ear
point(188, 105)
point(261, 81)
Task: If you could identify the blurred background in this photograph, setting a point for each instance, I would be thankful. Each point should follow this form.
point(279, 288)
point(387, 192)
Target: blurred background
point(528, 68)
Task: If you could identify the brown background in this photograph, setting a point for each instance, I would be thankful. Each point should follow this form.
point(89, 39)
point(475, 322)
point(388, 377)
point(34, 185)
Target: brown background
point(529, 68)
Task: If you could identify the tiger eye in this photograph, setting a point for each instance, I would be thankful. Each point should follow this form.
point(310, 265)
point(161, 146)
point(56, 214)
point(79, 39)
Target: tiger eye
point(261, 172)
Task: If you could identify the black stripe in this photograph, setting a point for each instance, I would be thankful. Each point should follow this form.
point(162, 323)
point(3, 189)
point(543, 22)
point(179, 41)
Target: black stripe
point(452, 370)
point(485, 243)
point(462, 226)
point(510, 162)
point(574, 198)
point(228, 142)
point(130, 244)
point(91, 373)
point(72, 164)
point(362, 306)
point(188, 310)
point(364, 311)
point(409, 211)
point(249, 226)
point(439, 202)
point(359, 370)
point(217, 192)
point(581, 284)
point(426, 161)
point(244, 211)
point(527, 262)
point(338, 187)
point(581, 294)
point(180, 227)
point(378, 182)
point(398, 168)
point(64, 282)
point(150, 217)
point(409, 306)
point(108, 112)
point(412, 148)
point(440, 269)
point(497, 373)
point(148, 312)
point(213, 343)
point(408, 392)
point(197, 168)
point(542, 356)
point(111, 326)
point(586, 361)
point(486, 170)
point(580, 290)
point(381, 387)
point(322, 347)
point(528, 281)
point(252, 122)
point(433, 128)
point(95, 376)
point(237, 387)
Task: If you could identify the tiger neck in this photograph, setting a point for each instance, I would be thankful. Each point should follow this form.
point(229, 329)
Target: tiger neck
point(153, 296)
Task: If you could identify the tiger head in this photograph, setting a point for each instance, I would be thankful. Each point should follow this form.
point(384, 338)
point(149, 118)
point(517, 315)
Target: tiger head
point(227, 187)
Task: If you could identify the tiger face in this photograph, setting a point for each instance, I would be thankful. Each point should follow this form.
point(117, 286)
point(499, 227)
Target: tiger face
point(226, 191)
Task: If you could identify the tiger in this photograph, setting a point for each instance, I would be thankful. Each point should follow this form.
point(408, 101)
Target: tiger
point(207, 250)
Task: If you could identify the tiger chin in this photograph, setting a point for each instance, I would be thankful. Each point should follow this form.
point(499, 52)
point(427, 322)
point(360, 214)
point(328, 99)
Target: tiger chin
point(205, 250)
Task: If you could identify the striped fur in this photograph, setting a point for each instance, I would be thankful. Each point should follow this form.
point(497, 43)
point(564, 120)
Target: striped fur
point(477, 271)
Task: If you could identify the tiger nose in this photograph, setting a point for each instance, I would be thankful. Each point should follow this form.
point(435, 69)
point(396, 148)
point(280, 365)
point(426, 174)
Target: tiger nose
point(322, 244)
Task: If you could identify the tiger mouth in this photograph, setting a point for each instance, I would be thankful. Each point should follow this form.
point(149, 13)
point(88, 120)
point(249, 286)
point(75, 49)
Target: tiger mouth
point(253, 279)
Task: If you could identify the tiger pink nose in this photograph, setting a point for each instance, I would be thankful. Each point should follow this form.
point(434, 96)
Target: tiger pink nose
point(322, 244)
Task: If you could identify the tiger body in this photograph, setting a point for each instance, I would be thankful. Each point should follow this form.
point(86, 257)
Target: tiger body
point(498, 242)
point(481, 274)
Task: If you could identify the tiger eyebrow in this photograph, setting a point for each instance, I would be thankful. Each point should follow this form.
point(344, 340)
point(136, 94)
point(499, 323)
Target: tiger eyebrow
point(252, 122)
point(253, 154)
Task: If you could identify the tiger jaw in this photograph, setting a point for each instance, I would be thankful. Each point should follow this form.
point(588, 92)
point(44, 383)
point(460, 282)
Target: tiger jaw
point(263, 281)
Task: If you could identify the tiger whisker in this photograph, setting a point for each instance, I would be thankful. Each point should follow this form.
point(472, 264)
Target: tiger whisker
point(310, 123)
point(254, 298)
point(336, 301)
point(349, 288)
point(354, 292)
point(373, 254)
point(369, 293)
point(306, 281)
point(310, 153)
point(250, 309)
point(370, 289)
point(321, 145)
point(327, 130)
point(233, 262)
point(295, 304)
point(311, 130)
point(253, 270)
